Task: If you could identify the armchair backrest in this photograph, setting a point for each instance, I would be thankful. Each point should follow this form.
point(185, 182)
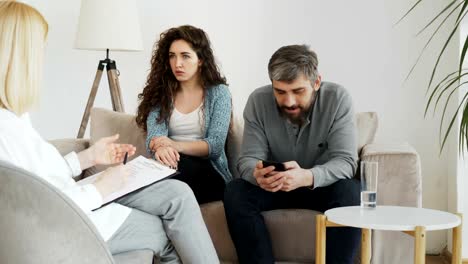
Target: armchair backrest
point(39, 224)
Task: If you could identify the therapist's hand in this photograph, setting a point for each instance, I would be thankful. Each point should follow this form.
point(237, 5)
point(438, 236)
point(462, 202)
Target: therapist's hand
point(111, 180)
point(105, 151)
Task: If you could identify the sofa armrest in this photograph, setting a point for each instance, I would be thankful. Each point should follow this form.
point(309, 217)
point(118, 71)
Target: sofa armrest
point(399, 184)
point(67, 145)
point(399, 180)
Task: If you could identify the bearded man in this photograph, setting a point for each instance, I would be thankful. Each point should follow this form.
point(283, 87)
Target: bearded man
point(308, 126)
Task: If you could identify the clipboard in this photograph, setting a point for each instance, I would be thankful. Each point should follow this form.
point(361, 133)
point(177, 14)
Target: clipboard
point(143, 173)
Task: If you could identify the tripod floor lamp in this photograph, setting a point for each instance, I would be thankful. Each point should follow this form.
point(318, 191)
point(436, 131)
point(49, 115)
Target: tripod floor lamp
point(107, 25)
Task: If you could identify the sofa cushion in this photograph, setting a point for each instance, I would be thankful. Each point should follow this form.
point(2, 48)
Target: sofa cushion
point(106, 123)
point(292, 233)
point(366, 124)
point(234, 142)
point(67, 145)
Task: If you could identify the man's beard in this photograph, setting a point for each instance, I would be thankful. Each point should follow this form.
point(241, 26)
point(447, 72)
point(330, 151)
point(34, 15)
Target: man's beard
point(295, 119)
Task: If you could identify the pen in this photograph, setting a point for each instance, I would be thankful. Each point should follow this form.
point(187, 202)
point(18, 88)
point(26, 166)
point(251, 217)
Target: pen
point(125, 158)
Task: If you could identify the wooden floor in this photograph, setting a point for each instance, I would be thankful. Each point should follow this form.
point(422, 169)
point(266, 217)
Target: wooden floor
point(435, 260)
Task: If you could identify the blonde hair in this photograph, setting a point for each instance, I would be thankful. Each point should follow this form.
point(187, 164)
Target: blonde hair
point(23, 31)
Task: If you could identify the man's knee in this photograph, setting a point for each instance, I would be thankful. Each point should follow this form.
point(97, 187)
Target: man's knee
point(346, 192)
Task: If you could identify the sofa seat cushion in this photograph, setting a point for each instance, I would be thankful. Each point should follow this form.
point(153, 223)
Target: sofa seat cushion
point(134, 257)
point(292, 233)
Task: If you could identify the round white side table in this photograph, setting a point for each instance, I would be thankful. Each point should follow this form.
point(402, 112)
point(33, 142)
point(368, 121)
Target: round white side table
point(410, 220)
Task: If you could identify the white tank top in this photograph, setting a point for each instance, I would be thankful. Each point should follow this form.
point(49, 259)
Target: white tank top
point(186, 127)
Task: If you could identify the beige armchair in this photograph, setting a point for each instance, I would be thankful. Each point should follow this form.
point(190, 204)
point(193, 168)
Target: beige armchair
point(292, 231)
point(39, 224)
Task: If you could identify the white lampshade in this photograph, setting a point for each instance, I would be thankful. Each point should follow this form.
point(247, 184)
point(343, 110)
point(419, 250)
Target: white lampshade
point(109, 24)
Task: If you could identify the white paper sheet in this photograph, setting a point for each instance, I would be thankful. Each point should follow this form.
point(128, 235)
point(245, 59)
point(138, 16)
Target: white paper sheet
point(143, 172)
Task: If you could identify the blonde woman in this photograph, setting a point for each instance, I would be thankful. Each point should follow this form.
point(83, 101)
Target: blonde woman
point(164, 217)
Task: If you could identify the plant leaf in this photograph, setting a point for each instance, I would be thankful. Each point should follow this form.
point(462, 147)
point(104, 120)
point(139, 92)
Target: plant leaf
point(437, 88)
point(440, 13)
point(443, 80)
point(454, 80)
point(451, 123)
point(463, 135)
point(427, 44)
point(462, 56)
point(446, 105)
point(465, 4)
point(409, 11)
point(443, 49)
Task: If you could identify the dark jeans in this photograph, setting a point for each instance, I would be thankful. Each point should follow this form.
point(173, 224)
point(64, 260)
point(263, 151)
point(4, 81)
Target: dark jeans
point(244, 202)
point(199, 174)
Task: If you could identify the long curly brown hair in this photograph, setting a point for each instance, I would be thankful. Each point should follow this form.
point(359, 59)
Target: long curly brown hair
point(161, 85)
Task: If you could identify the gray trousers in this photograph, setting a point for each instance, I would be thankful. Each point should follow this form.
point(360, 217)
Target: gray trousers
point(166, 219)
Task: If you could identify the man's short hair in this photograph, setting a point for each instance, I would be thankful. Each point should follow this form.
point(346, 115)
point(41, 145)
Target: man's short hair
point(288, 62)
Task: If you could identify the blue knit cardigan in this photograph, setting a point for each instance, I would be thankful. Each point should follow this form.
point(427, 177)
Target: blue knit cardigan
point(218, 105)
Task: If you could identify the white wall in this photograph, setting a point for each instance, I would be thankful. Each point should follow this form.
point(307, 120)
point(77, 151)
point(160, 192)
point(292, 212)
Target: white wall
point(457, 200)
point(356, 41)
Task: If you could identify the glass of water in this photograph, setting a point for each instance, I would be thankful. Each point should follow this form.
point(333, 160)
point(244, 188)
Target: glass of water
point(369, 176)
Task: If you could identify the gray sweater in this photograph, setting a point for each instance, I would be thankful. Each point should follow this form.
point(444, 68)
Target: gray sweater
point(326, 143)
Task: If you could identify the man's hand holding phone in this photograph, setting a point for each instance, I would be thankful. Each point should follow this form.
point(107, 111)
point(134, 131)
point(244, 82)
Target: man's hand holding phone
point(285, 176)
point(267, 178)
point(278, 165)
point(295, 177)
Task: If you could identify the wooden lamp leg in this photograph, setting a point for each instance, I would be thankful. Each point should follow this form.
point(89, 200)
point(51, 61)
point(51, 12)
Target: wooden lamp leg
point(114, 87)
point(92, 96)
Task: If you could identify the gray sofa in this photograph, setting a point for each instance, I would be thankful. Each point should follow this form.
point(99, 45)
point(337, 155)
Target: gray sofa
point(293, 230)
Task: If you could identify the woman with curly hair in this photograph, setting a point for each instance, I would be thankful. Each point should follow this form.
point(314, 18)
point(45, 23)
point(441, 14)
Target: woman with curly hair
point(185, 108)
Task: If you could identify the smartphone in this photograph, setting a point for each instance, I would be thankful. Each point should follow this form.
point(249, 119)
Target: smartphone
point(278, 165)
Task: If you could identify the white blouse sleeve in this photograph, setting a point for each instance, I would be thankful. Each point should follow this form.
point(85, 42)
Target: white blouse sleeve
point(74, 163)
point(22, 146)
point(87, 197)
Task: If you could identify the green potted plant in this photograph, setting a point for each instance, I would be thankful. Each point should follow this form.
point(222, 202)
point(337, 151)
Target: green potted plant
point(453, 81)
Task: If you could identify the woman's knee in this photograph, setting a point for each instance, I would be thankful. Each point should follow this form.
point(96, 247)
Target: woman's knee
point(179, 188)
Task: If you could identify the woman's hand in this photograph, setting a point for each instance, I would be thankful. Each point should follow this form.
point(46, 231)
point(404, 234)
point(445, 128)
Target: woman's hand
point(158, 142)
point(105, 151)
point(168, 156)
